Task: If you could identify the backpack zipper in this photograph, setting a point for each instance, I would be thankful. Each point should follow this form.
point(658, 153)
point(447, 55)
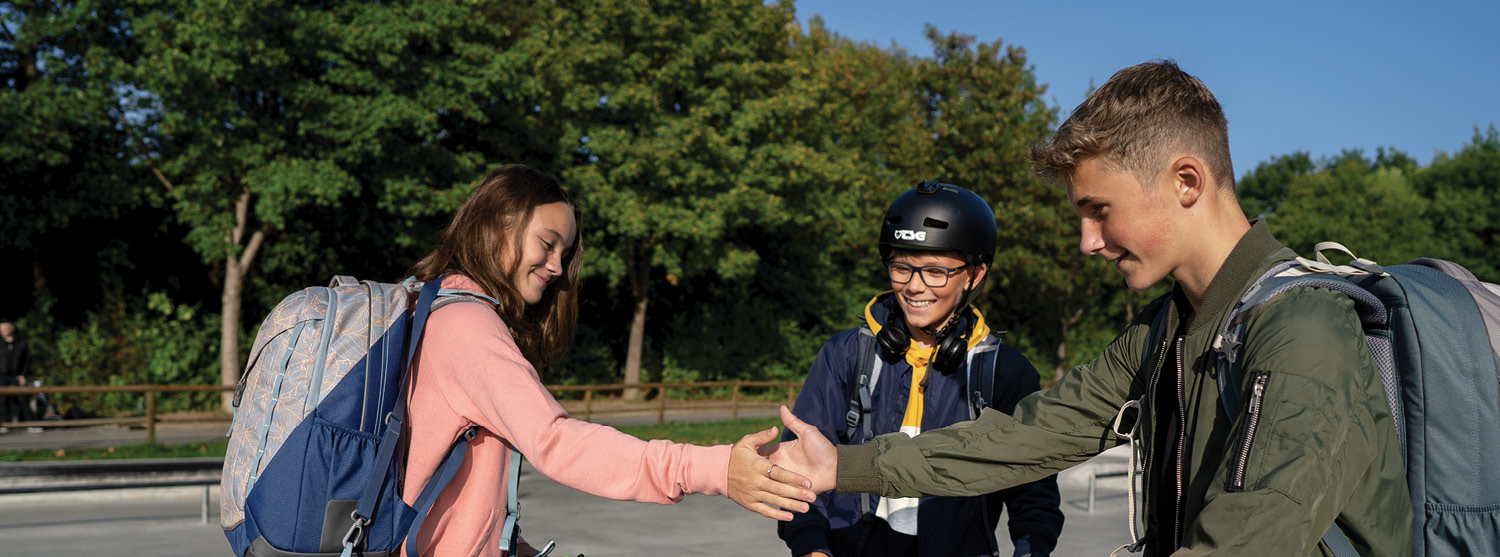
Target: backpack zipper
point(1236, 478)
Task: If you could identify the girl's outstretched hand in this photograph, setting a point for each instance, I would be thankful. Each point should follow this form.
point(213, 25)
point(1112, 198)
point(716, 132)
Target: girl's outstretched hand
point(762, 487)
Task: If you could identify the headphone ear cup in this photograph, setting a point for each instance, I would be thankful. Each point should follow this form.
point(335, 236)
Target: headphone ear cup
point(951, 350)
point(893, 338)
point(950, 353)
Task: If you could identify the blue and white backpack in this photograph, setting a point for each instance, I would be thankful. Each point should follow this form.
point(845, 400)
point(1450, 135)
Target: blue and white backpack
point(311, 467)
point(1433, 329)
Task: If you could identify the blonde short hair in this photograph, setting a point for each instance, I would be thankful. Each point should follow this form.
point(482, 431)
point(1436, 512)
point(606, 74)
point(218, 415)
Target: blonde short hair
point(1140, 117)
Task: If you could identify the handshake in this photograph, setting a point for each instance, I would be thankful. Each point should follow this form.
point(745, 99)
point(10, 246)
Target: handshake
point(774, 480)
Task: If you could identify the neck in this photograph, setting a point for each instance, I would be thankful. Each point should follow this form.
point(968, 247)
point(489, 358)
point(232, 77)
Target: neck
point(1214, 239)
point(921, 337)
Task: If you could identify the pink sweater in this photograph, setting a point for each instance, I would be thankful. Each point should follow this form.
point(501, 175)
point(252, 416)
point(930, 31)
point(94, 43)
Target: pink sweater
point(470, 371)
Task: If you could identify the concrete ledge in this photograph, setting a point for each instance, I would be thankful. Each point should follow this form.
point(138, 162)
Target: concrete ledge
point(61, 476)
point(1107, 462)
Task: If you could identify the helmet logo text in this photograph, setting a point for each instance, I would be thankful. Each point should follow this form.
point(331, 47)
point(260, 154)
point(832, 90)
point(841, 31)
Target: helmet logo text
point(914, 235)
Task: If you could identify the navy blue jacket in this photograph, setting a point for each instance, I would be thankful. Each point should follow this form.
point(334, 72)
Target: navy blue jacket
point(947, 526)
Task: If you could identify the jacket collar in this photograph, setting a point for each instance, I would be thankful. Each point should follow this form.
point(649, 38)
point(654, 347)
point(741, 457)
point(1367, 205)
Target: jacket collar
point(1256, 251)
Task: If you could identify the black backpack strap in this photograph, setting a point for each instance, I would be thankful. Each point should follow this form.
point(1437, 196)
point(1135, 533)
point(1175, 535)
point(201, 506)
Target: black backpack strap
point(857, 422)
point(983, 365)
point(858, 425)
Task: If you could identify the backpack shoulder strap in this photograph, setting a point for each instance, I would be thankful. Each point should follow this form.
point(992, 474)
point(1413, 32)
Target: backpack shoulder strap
point(983, 363)
point(1281, 278)
point(857, 422)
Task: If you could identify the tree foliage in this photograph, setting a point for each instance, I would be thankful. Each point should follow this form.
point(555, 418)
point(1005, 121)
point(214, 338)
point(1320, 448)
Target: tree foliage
point(1464, 189)
point(732, 164)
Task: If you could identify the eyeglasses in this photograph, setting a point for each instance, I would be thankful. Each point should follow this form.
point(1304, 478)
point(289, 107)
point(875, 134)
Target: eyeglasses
point(934, 276)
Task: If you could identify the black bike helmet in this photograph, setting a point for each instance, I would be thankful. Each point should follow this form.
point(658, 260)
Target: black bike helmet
point(939, 217)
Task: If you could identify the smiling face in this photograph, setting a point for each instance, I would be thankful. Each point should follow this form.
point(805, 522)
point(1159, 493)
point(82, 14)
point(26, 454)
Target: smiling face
point(1132, 227)
point(544, 247)
point(927, 306)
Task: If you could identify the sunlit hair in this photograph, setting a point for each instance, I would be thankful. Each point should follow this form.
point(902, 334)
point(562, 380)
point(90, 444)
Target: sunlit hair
point(483, 242)
point(1144, 115)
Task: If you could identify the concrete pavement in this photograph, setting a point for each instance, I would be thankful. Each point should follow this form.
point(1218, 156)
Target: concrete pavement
point(166, 521)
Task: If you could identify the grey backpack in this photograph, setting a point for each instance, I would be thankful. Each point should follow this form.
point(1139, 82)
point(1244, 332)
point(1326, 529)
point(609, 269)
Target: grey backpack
point(1433, 329)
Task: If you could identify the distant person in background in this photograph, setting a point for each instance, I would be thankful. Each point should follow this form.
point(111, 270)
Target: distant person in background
point(14, 361)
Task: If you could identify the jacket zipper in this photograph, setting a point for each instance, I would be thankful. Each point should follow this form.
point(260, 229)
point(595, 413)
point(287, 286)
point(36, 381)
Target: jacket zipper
point(1161, 356)
point(1181, 446)
point(1148, 404)
point(1252, 421)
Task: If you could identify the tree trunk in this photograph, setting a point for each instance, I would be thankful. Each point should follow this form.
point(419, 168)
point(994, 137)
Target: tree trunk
point(1062, 345)
point(638, 275)
point(235, 270)
point(229, 333)
point(633, 352)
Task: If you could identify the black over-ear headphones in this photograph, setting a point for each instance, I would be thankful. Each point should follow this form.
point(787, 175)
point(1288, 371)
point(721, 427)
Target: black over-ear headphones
point(955, 344)
point(895, 340)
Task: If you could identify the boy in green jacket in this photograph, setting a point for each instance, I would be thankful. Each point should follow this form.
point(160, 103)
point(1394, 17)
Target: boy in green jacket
point(1145, 161)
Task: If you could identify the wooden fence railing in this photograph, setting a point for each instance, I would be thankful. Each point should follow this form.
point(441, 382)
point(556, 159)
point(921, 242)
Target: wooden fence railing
point(656, 400)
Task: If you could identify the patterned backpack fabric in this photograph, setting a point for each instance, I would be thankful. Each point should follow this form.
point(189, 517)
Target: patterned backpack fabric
point(1433, 329)
point(311, 466)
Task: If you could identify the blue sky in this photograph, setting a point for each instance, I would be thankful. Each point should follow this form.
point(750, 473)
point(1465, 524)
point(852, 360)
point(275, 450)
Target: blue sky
point(1314, 76)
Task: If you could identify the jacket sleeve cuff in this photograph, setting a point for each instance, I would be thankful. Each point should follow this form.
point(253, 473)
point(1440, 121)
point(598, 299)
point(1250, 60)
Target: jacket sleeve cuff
point(707, 472)
point(856, 469)
point(807, 540)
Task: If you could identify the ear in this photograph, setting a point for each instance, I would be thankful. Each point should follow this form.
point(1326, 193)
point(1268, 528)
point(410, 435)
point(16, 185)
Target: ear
point(980, 271)
point(1190, 180)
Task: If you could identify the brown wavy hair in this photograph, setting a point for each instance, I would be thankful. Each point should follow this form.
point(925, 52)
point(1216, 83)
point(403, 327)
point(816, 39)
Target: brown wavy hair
point(490, 225)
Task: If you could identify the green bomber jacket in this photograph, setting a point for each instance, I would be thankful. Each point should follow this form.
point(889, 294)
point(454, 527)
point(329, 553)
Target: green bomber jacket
point(1323, 446)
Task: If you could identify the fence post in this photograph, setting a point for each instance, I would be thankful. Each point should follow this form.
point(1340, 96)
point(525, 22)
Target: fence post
point(661, 405)
point(791, 400)
point(588, 404)
point(734, 403)
point(1093, 480)
point(150, 417)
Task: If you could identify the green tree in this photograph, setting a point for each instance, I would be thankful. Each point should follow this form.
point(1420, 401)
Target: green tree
point(670, 140)
point(262, 121)
point(1372, 209)
point(852, 133)
point(1464, 212)
point(1262, 190)
point(60, 170)
point(984, 112)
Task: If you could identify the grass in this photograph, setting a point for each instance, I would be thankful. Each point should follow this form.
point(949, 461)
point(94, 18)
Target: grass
point(703, 433)
point(185, 450)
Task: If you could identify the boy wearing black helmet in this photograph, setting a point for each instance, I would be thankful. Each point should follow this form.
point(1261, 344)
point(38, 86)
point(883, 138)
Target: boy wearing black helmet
point(923, 359)
point(1314, 468)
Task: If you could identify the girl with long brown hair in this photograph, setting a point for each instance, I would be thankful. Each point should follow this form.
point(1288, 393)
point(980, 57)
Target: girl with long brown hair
point(516, 239)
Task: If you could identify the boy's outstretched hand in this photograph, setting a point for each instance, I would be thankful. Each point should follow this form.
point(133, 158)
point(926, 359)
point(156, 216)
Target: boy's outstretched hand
point(760, 486)
point(810, 453)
